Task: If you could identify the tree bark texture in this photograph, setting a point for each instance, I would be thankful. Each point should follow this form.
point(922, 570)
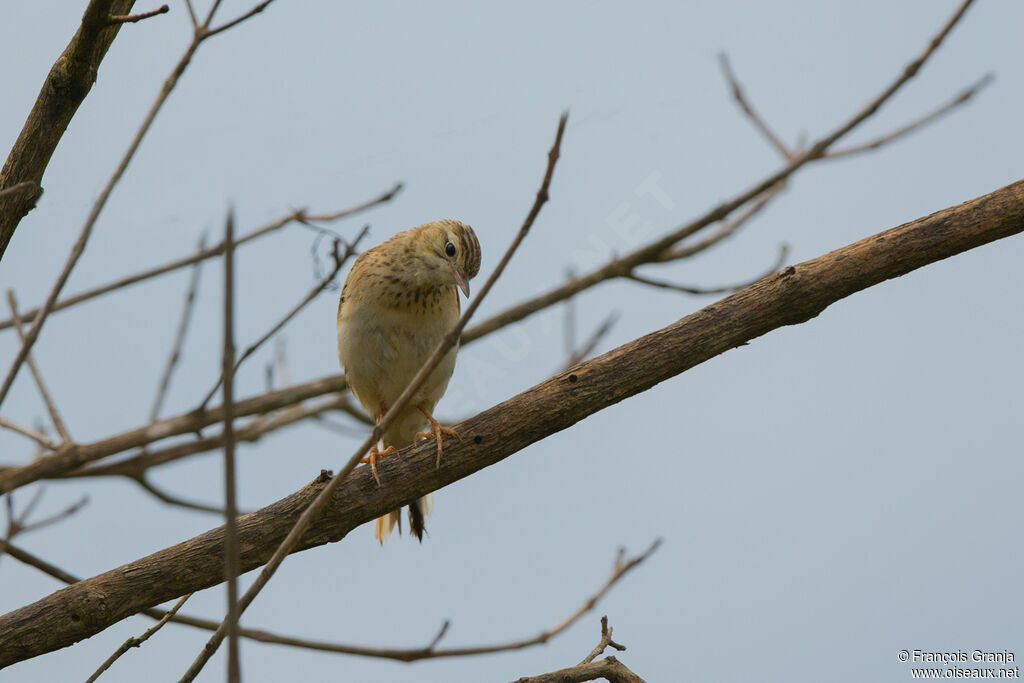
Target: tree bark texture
point(793, 296)
point(69, 81)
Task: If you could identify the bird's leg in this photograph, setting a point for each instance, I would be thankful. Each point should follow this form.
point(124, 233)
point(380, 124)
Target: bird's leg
point(436, 430)
point(372, 456)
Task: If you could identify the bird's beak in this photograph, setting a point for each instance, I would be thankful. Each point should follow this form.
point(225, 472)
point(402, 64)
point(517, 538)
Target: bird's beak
point(460, 280)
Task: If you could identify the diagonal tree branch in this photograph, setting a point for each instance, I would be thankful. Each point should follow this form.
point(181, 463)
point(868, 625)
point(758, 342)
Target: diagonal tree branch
point(620, 568)
point(654, 251)
point(796, 295)
point(199, 35)
point(66, 86)
point(298, 215)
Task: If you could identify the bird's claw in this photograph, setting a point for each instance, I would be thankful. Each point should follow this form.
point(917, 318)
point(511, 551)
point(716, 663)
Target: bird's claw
point(372, 458)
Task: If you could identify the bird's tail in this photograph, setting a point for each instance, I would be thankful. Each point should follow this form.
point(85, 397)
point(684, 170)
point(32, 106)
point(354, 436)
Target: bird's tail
point(418, 512)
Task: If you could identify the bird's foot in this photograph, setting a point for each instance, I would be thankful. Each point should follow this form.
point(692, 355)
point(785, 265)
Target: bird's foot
point(372, 457)
point(436, 431)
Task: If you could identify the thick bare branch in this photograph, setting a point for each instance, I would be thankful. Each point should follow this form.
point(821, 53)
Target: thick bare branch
point(94, 213)
point(796, 295)
point(608, 669)
point(66, 86)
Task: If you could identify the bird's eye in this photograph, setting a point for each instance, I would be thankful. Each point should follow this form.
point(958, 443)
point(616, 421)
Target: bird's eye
point(449, 249)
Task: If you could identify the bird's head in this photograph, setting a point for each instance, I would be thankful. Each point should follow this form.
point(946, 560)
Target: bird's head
point(451, 250)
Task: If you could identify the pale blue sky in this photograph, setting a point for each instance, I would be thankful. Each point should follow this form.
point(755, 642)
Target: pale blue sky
point(829, 495)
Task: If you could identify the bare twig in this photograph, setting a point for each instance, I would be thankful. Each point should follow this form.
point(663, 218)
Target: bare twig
point(340, 258)
point(297, 215)
point(430, 651)
point(136, 642)
point(20, 524)
point(25, 526)
point(51, 408)
point(40, 439)
point(238, 20)
point(723, 289)
point(231, 551)
point(651, 252)
point(79, 247)
point(179, 337)
point(170, 499)
point(605, 643)
point(595, 338)
point(727, 228)
point(132, 18)
point(748, 109)
point(450, 339)
point(917, 124)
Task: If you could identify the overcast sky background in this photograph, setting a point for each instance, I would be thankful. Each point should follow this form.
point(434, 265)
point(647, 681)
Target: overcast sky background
point(828, 495)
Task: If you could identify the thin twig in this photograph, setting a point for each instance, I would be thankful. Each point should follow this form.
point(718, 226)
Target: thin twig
point(170, 499)
point(748, 109)
point(605, 643)
point(132, 18)
point(725, 229)
point(902, 131)
point(231, 551)
point(136, 642)
point(238, 20)
point(40, 439)
point(339, 262)
point(595, 338)
point(723, 289)
point(297, 215)
point(192, 14)
point(570, 321)
point(179, 337)
point(651, 252)
point(313, 511)
point(98, 205)
point(51, 407)
point(24, 526)
point(429, 651)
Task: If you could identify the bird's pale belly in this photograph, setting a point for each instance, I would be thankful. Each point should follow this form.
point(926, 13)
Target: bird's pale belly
point(381, 356)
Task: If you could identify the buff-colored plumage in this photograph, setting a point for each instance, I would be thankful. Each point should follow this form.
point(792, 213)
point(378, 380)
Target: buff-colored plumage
point(398, 302)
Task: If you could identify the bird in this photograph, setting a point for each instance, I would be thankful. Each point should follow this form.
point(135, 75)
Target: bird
point(398, 302)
